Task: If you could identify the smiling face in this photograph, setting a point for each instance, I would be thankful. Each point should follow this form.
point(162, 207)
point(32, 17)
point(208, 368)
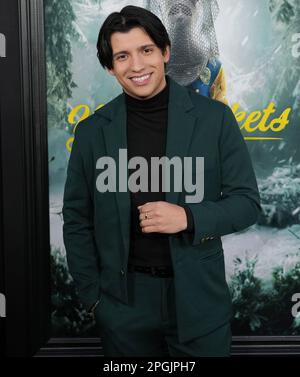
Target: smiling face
point(138, 64)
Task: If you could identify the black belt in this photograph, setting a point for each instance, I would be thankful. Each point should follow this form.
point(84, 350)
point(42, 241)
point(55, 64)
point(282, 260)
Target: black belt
point(158, 271)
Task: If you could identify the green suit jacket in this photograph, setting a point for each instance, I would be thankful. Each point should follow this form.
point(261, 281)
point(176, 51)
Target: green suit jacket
point(97, 225)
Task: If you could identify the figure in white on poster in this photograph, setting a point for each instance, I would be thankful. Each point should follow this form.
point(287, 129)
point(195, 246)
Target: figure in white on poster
point(194, 59)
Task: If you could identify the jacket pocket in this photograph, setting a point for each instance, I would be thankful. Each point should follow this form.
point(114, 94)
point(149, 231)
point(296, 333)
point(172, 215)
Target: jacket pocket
point(207, 255)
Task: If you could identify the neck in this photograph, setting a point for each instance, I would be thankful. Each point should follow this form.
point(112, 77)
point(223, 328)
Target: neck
point(155, 101)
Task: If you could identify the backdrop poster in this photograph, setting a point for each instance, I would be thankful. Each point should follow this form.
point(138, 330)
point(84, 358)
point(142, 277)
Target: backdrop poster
point(258, 43)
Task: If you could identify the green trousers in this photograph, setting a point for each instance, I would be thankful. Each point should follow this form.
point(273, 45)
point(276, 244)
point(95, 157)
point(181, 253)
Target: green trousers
point(147, 326)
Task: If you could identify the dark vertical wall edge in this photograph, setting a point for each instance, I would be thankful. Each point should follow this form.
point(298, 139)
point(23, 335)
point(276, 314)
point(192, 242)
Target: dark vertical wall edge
point(12, 181)
point(2, 287)
point(36, 158)
point(24, 155)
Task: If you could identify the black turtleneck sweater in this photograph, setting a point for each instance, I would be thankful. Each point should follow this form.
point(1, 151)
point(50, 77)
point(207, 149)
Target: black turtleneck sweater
point(147, 122)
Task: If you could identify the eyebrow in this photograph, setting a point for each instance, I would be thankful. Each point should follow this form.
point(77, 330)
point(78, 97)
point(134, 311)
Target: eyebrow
point(126, 52)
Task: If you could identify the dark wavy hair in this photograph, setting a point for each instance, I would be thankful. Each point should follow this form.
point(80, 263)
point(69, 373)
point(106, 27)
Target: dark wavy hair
point(129, 18)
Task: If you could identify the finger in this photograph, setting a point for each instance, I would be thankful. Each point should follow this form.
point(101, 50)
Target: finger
point(147, 207)
point(142, 216)
point(142, 206)
point(147, 222)
point(150, 229)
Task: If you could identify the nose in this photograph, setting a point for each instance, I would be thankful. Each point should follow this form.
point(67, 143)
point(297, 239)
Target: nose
point(137, 63)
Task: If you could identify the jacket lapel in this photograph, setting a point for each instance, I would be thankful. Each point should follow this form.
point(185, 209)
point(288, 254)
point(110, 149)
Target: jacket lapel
point(180, 129)
point(115, 135)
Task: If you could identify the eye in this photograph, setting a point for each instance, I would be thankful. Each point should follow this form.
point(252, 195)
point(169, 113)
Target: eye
point(121, 57)
point(148, 50)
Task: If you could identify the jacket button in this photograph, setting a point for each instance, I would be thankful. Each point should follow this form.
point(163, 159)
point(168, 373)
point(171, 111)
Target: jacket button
point(122, 272)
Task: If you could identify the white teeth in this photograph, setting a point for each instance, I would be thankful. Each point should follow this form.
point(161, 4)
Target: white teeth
point(140, 79)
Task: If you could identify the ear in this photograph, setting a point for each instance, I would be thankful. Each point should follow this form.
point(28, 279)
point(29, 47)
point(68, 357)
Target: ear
point(167, 54)
point(111, 72)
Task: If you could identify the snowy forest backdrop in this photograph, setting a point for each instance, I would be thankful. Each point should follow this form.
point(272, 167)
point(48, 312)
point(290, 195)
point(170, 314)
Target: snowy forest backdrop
point(258, 49)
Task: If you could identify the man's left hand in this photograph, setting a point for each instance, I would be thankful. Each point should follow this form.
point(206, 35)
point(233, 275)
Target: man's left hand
point(162, 217)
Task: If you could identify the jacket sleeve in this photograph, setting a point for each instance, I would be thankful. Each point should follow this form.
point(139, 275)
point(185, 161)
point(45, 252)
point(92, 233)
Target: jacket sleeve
point(190, 220)
point(239, 205)
point(78, 229)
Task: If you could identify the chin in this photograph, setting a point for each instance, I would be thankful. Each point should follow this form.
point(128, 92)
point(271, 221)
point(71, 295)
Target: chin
point(142, 93)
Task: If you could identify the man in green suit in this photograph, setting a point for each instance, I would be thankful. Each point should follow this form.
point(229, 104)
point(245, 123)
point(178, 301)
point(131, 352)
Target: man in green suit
point(147, 262)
